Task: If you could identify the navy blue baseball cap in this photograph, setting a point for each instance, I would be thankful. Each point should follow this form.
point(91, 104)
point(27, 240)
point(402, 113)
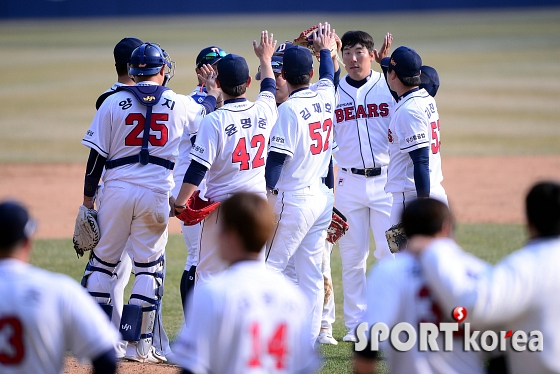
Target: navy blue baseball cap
point(15, 224)
point(297, 61)
point(406, 62)
point(210, 55)
point(124, 48)
point(430, 80)
point(277, 63)
point(282, 48)
point(232, 70)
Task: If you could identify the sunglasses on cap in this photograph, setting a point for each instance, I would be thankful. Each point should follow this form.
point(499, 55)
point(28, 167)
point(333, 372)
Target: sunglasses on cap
point(211, 56)
point(277, 66)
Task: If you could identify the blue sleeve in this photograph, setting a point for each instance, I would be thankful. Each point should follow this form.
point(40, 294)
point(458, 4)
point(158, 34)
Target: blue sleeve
point(209, 103)
point(421, 160)
point(268, 84)
point(336, 79)
point(329, 180)
point(273, 168)
point(94, 169)
point(326, 66)
point(195, 173)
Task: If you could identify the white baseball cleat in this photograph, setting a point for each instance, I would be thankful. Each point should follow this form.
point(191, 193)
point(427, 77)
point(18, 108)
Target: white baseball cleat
point(152, 357)
point(326, 338)
point(350, 337)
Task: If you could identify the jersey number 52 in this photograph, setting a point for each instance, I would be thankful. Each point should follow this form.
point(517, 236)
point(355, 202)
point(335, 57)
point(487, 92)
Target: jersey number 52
point(315, 130)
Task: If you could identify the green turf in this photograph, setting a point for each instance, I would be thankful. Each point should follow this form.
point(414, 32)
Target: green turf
point(488, 241)
point(499, 71)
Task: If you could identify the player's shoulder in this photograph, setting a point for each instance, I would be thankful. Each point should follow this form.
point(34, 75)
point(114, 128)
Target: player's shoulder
point(399, 269)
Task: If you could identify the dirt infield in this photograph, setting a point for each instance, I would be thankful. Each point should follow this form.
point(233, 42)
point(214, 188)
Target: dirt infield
point(480, 189)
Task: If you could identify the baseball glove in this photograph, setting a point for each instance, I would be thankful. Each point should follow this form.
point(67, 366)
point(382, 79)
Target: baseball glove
point(338, 226)
point(305, 39)
point(396, 238)
point(86, 231)
point(196, 209)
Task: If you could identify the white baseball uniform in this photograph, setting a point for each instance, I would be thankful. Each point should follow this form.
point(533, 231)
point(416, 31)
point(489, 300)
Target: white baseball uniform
point(304, 204)
point(250, 320)
point(518, 294)
point(134, 203)
point(414, 125)
point(42, 316)
point(231, 143)
point(191, 234)
point(362, 119)
point(120, 280)
point(397, 292)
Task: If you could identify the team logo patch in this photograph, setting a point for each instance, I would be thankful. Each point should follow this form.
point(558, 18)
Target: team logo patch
point(149, 98)
point(341, 181)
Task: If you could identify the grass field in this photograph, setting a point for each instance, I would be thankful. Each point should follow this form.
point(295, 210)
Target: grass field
point(490, 242)
point(500, 72)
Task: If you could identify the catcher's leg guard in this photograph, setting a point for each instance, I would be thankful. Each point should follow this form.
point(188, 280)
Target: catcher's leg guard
point(137, 323)
point(103, 298)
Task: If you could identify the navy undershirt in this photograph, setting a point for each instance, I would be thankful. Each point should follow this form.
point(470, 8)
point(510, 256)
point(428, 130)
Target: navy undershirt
point(421, 160)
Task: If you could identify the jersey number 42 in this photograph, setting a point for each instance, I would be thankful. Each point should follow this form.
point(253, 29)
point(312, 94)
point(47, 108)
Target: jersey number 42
point(242, 156)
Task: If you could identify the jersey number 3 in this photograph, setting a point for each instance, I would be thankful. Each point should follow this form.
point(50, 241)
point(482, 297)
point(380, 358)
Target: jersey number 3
point(11, 353)
point(138, 121)
point(241, 153)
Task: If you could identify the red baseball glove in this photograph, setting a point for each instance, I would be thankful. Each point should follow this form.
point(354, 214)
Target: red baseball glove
point(196, 209)
point(338, 226)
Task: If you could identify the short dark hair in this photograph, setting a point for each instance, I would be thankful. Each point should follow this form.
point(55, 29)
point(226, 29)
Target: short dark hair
point(425, 216)
point(407, 81)
point(249, 216)
point(297, 80)
point(234, 91)
point(351, 38)
point(122, 69)
point(542, 207)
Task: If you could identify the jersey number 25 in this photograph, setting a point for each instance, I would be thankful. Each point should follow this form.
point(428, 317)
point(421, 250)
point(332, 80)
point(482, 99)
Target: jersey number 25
point(138, 121)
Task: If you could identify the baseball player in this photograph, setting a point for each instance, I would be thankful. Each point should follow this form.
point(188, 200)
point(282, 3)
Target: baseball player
point(230, 147)
point(414, 135)
point(122, 52)
point(250, 320)
point(135, 135)
point(361, 122)
point(191, 234)
point(299, 156)
point(44, 314)
point(325, 336)
point(517, 294)
point(406, 297)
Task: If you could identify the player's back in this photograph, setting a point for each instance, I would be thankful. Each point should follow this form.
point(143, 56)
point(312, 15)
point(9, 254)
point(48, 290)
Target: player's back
point(43, 315)
point(117, 131)
point(414, 124)
point(255, 322)
point(405, 297)
point(232, 143)
point(304, 132)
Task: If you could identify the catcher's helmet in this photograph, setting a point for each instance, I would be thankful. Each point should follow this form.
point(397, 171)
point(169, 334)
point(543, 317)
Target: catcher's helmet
point(148, 59)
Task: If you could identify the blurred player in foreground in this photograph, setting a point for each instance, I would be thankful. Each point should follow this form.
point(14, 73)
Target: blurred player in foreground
point(520, 293)
point(250, 320)
point(44, 314)
point(397, 292)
